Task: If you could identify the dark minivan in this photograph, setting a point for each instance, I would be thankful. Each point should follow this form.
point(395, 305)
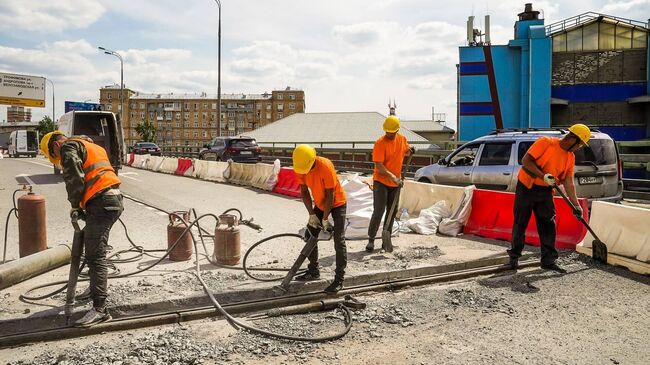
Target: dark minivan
point(238, 149)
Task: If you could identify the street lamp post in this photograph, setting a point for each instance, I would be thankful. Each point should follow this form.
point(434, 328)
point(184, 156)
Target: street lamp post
point(113, 53)
point(53, 116)
point(219, 71)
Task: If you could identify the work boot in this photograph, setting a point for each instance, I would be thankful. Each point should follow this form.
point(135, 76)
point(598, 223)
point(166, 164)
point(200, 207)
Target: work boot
point(554, 267)
point(513, 263)
point(93, 316)
point(335, 286)
point(309, 275)
point(370, 246)
point(85, 295)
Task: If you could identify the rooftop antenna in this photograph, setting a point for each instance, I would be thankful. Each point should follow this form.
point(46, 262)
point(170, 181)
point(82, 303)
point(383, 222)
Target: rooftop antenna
point(486, 30)
point(391, 109)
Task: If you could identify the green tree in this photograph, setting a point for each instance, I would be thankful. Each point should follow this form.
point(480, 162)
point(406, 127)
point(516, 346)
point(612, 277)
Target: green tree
point(147, 131)
point(46, 125)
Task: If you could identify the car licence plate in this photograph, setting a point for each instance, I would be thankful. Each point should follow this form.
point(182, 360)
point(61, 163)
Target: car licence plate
point(246, 152)
point(590, 180)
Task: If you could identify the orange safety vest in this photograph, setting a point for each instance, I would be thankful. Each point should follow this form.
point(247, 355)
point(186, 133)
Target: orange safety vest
point(98, 172)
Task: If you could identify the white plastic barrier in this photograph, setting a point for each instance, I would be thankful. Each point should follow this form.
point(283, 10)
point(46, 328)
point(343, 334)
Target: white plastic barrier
point(622, 228)
point(210, 170)
point(169, 165)
point(241, 173)
point(416, 196)
point(273, 178)
point(154, 162)
point(140, 161)
point(261, 175)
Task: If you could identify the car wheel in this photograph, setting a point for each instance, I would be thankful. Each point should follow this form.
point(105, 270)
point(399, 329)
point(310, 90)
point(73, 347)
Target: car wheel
point(425, 180)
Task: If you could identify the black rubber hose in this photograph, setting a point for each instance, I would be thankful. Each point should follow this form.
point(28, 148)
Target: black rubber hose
point(250, 249)
point(4, 250)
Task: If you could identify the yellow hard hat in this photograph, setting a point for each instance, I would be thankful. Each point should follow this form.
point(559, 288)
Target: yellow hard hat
point(582, 131)
point(45, 142)
point(391, 124)
point(303, 158)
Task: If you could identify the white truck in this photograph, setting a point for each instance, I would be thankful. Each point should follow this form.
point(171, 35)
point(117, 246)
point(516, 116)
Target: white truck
point(101, 126)
point(23, 143)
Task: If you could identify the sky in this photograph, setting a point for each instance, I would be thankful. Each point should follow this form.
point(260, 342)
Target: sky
point(347, 55)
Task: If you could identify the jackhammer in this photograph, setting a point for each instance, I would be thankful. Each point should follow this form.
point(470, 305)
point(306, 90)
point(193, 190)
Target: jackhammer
point(77, 248)
point(311, 241)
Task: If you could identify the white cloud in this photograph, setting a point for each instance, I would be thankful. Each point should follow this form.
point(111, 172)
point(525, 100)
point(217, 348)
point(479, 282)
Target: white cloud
point(48, 16)
point(622, 8)
point(363, 34)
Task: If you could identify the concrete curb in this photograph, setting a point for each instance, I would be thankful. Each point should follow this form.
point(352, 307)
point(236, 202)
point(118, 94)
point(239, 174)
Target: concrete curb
point(54, 318)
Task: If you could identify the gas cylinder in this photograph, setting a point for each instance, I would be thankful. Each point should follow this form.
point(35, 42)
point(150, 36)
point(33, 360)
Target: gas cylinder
point(32, 232)
point(227, 241)
point(183, 249)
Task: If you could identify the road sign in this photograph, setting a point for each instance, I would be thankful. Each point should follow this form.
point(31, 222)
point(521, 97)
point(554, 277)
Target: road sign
point(22, 90)
point(77, 105)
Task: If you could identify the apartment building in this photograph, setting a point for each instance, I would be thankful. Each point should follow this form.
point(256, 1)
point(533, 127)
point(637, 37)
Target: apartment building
point(17, 114)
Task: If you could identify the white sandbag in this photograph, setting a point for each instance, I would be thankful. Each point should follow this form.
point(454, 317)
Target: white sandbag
point(453, 226)
point(273, 179)
point(359, 208)
point(429, 219)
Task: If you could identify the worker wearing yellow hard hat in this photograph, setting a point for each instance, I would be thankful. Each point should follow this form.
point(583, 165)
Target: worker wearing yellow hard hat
point(549, 162)
point(93, 191)
point(323, 196)
point(388, 157)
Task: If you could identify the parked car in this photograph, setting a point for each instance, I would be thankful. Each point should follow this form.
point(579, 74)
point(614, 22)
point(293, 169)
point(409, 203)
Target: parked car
point(238, 149)
point(493, 162)
point(104, 128)
point(23, 143)
point(143, 148)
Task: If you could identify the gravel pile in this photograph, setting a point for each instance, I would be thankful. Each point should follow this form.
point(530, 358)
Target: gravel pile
point(418, 253)
point(474, 299)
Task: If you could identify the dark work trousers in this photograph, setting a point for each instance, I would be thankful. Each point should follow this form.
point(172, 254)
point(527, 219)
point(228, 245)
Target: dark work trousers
point(102, 212)
point(538, 200)
point(338, 215)
point(382, 199)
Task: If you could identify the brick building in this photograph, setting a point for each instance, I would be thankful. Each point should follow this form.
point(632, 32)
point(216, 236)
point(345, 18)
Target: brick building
point(17, 114)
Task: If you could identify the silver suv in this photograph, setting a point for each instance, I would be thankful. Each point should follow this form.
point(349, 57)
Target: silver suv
point(598, 170)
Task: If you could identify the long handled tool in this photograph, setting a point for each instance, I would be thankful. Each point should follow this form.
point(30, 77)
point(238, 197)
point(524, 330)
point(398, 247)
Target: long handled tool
point(387, 231)
point(599, 248)
point(77, 245)
point(311, 242)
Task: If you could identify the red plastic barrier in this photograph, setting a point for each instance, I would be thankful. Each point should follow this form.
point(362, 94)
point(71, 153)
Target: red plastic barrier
point(287, 183)
point(184, 164)
point(492, 217)
point(131, 159)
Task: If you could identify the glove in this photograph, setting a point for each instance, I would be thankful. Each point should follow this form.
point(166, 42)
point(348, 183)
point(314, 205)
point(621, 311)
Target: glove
point(314, 222)
point(398, 181)
point(327, 226)
point(550, 180)
point(577, 211)
point(77, 213)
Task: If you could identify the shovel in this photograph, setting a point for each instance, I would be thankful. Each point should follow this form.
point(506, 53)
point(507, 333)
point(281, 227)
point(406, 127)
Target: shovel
point(75, 258)
point(386, 232)
point(599, 248)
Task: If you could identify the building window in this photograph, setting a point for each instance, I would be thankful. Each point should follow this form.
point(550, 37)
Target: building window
point(109, 107)
point(280, 107)
point(196, 134)
point(196, 124)
point(142, 105)
point(205, 124)
point(178, 124)
point(141, 115)
point(204, 115)
point(132, 115)
point(292, 106)
point(186, 124)
point(213, 116)
point(196, 115)
point(196, 106)
point(268, 106)
point(186, 116)
point(178, 134)
point(178, 115)
point(187, 105)
point(133, 105)
point(231, 114)
point(214, 105)
point(109, 96)
point(280, 96)
point(292, 97)
point(205, 105)
point(205, 134)
point(152, 115)
point(268, 115)
point(187, 134)
point(168, 115)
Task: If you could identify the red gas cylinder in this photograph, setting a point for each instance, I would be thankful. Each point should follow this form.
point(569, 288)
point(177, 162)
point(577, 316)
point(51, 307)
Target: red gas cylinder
point(227, 241)
point(32, 232)
point(183, 249)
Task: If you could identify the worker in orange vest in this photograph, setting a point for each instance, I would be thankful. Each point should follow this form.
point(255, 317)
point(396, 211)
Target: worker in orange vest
point(93, 192)
point(547, 163)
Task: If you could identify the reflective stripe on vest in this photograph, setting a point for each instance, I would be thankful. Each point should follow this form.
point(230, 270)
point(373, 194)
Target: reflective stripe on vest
point(98, 172)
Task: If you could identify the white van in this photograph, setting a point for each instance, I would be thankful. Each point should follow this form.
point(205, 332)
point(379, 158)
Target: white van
point(23, 143)
point(100, 126)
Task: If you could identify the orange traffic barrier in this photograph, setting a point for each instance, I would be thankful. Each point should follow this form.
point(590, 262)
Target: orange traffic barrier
point(493, 216)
